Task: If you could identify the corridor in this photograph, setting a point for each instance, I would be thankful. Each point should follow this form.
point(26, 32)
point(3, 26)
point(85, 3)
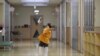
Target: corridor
point(71, 26)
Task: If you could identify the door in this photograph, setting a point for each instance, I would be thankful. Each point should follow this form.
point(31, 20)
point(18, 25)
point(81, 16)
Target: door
point(36, 28)
point(6, 21)
point(74, 24)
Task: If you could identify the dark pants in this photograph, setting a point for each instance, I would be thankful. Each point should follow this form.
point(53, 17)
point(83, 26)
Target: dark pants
point(2, 38)
point(43, 44)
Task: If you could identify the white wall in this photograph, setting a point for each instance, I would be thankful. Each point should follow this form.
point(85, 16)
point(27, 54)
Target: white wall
point(1, 1)
point(68, 14)
point(1, 13)
point(24, 13)
point(7, 20)
point(97, 13)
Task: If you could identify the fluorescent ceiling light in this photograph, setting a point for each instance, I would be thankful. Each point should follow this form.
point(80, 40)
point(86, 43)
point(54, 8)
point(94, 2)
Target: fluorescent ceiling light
point(29, 1)
point(36, 11)
point(0, 31)
point(33, 4)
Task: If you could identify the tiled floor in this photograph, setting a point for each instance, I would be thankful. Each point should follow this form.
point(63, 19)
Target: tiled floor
point(30, 48)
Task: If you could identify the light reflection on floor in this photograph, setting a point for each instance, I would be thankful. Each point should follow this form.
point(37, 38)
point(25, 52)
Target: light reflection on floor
point(30, 48)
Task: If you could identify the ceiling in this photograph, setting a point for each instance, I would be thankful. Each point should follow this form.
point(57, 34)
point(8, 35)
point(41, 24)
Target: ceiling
point(51, 2)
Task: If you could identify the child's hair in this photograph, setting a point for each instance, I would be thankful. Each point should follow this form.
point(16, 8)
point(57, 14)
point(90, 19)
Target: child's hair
point(1, 27)
point(49, 25)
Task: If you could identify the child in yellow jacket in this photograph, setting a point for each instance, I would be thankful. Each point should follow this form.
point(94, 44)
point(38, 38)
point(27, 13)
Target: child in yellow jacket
point(44, 39)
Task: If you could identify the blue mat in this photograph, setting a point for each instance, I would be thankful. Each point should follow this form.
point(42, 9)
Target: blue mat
point(6, 43)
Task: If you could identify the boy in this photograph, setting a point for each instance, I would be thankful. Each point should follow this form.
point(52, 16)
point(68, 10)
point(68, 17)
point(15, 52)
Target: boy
point(44, 39)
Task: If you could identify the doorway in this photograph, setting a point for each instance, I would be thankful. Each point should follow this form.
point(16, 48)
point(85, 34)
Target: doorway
point(36, 28)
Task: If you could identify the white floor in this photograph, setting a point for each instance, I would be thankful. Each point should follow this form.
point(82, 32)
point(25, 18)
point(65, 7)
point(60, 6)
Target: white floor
point(30, 48)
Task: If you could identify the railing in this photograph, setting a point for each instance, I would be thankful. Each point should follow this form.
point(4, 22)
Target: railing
point(91, 43)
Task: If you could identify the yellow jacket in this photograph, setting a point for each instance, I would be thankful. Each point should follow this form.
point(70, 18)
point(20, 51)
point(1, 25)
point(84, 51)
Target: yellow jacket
point(45, 36)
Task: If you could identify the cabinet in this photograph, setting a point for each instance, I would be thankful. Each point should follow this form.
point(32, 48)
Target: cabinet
point(25, 33)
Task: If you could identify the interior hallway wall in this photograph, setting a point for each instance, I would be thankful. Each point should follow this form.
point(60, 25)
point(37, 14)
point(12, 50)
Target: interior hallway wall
point(74, 23)
point(1, 1)
point(1, 13)
point(68, 15)
point(23, 15)
point(97, 13)
point(62, 22)
point(68, 23)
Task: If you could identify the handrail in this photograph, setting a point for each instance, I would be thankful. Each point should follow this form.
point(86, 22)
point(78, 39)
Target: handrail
point(97, 32)
point(91, 42)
